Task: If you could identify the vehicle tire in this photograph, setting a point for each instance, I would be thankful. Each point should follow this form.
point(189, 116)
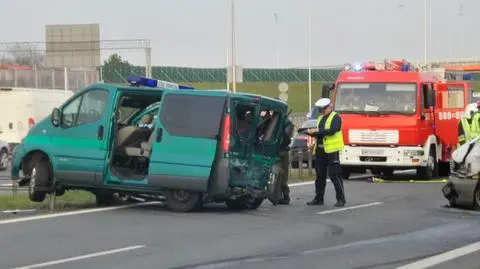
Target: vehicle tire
point(444, 169)
point(236, 205)
point(39, 178)
point(476, 197)
point(346, 172)
point(184, 201)
point(376, 172)
point(3, 159)
point(431, 170)
point(105, 198)
point(254, 203)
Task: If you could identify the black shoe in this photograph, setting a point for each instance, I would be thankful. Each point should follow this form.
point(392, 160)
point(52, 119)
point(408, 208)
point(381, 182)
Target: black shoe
point(284, 202)
point(340, 204)
point(315, 201)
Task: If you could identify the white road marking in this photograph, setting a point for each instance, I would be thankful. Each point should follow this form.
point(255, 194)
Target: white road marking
point(71, 213)
point(347, 208)
point(83, 257)
point(328, 180)
point(444, 257)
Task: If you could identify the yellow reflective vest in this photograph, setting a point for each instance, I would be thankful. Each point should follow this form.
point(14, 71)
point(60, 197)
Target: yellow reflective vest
point(475, 127)
point(331, 143)
point(467, 133)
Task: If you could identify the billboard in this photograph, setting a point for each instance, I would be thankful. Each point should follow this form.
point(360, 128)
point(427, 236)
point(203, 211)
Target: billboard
point(73, 45)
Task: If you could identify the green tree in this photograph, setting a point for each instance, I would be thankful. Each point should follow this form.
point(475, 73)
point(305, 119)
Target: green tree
point(116, 70)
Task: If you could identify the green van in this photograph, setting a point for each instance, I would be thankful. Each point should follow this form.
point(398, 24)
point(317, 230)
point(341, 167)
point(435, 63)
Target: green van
point(191, 147)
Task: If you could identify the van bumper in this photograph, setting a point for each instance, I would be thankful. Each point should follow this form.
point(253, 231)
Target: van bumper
point(460, 191)
point(401, 157)
point(16, 161)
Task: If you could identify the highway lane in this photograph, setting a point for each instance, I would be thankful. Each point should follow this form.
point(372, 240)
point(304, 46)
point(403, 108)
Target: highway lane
point(383, 226)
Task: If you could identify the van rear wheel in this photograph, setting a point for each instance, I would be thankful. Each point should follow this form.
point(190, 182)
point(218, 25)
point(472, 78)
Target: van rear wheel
point(184, 201)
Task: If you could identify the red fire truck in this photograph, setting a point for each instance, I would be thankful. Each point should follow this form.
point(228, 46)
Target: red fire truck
point(396, 117)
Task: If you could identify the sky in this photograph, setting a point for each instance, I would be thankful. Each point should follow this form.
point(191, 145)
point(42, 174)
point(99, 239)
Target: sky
point(193, 33)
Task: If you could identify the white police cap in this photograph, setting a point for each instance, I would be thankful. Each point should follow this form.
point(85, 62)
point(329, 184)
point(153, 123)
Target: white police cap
point(322, 103)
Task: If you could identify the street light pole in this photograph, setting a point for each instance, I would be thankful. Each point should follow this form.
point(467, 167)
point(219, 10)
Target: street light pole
point(309, 54)
point(425, 38)
point(228, 50)
point(234, 69)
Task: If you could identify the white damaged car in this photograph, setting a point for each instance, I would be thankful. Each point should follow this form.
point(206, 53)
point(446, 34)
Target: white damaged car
point(4, 155)
point(463, 188)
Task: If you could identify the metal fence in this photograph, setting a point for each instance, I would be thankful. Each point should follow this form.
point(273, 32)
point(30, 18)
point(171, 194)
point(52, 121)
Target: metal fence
point(66, 78)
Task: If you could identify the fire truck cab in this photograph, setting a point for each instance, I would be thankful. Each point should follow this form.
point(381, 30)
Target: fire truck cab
point(395, 117)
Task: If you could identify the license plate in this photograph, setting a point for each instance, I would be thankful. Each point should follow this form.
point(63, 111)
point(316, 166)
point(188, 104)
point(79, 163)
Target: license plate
point(372, 152)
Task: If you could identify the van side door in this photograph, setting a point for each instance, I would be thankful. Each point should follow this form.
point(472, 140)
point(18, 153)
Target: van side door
point(267, 147)
point(244, 121)
point(80, 142)
point(187, 131)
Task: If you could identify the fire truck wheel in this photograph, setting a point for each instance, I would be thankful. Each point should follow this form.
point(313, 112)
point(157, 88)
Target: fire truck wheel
point(431, 170)
point(346, 173)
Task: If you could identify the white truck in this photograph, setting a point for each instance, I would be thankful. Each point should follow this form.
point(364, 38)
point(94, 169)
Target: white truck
point(21, 108)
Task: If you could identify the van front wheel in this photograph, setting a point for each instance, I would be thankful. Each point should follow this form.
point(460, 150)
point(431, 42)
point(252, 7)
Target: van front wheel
point(183, 201)
point(39, 179)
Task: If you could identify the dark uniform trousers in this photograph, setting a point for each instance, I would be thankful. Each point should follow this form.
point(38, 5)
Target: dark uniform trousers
point(285, 164)
point(331, 161)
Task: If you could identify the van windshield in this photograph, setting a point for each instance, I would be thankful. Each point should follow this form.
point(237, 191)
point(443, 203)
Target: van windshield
point(376, 98)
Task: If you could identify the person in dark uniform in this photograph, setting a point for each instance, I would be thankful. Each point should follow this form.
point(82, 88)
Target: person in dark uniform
point(285, 161)
point(329, 143)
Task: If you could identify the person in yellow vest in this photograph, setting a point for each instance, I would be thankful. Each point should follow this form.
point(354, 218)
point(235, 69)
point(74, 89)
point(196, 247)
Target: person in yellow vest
point(464, 127)
point(328, 144)
point(475, 127)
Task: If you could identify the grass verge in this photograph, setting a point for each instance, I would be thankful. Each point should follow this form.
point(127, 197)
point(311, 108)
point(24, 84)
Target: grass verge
point(297, 91)
point(70, 200)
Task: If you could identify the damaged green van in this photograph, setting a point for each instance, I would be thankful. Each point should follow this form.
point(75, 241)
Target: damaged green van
point(191, 147)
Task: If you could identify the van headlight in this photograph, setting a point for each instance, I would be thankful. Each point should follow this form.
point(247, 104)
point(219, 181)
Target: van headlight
point(412, 152)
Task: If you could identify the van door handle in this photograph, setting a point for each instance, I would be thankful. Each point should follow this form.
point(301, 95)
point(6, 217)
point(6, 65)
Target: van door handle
point(100, 132)
point(159, 134)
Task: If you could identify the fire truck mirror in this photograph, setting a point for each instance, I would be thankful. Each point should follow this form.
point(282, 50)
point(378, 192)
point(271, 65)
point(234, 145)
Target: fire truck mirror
point(430, 98)
point(327, 90)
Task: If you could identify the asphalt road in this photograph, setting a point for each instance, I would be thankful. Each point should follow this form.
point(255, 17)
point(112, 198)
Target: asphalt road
point(384, 225)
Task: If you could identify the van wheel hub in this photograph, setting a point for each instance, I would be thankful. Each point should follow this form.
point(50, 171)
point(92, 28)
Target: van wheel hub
point(181, 195)
point(33, 180)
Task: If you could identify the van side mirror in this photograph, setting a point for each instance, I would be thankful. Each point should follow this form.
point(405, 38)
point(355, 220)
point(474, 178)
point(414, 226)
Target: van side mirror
point(55, 118)
point(327, 89)
point(430, 98)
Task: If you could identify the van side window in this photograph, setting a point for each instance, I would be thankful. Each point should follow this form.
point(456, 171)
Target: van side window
point(87, 108)
point(244, 115)
point(192, 115)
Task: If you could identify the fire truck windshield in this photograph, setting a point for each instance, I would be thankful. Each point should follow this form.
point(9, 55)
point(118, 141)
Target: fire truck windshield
point(376, 98)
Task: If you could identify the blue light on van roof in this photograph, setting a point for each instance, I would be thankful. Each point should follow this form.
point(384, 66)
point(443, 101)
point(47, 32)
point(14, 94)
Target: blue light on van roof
point(154, 83)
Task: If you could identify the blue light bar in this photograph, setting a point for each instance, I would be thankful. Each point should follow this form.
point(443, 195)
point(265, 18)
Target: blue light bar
point(154, 83)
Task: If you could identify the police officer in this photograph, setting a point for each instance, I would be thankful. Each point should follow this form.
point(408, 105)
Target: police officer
point(285, 161)
point(475, 127)
point(329, 143)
